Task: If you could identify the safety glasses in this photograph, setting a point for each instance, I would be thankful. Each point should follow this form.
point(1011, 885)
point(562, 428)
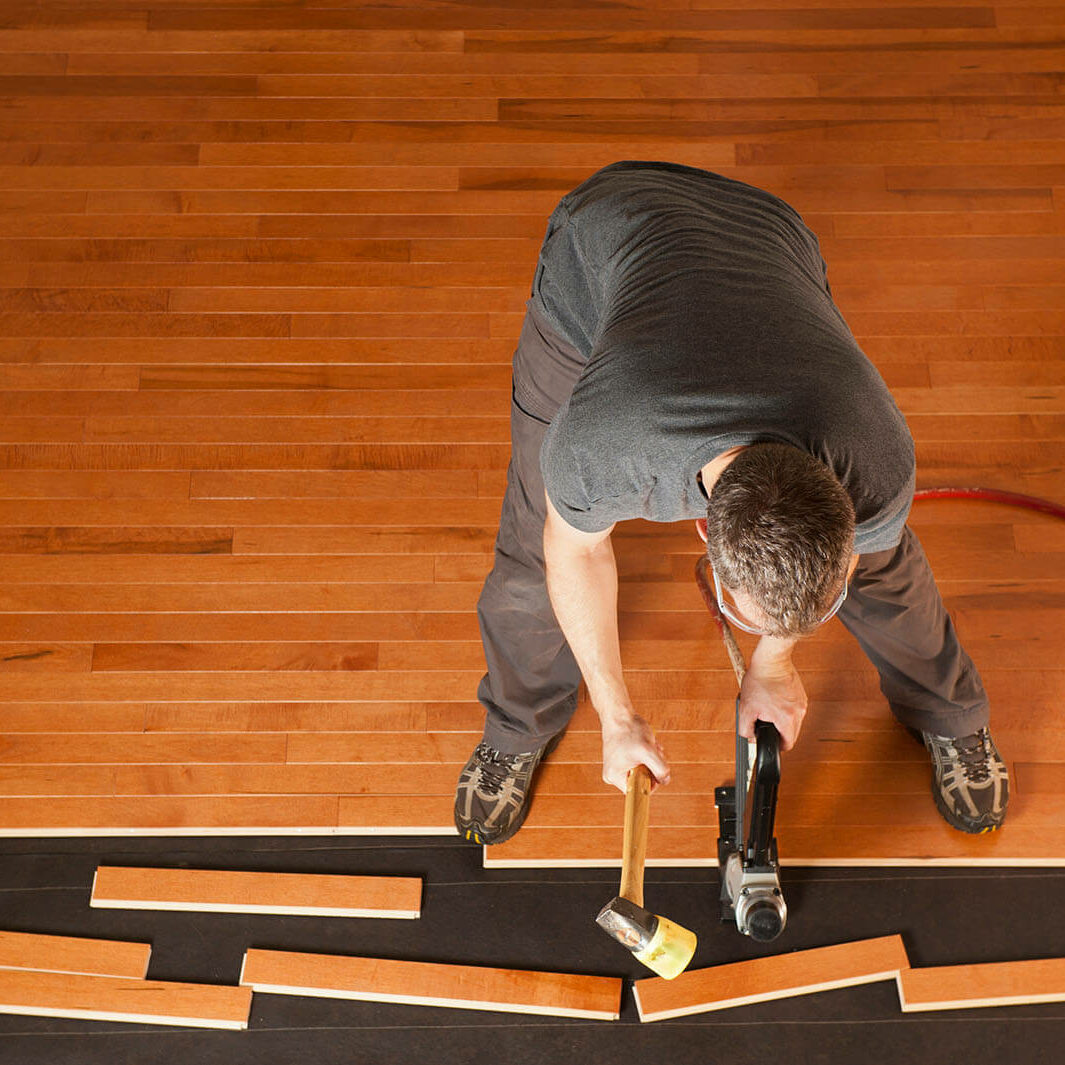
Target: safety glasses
point(733, 615)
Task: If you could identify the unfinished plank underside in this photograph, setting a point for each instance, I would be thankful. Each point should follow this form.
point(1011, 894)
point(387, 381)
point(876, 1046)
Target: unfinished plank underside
point(262, 271)
point(429, 984)
point(224, 891)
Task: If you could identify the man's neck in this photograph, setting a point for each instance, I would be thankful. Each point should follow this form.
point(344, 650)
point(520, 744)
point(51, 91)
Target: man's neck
point(709, 474)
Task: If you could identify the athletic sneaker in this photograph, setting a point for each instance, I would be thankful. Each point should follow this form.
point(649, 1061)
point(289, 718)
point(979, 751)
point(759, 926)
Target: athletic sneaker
point(970, 781)
point(494, 792)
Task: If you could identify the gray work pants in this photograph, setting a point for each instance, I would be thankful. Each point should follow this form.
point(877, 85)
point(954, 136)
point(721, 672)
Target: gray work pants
point(529, 692)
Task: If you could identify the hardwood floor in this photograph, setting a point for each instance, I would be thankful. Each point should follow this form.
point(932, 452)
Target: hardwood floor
point(262, 269)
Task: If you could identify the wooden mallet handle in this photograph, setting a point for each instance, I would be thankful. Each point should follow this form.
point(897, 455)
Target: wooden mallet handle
point(634, 852)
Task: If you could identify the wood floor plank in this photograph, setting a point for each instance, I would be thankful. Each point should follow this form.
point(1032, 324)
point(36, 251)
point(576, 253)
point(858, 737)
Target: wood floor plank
point(424, 983)
point(69, 954)
point(765, 979)
point(956, 987)
point(226, 891)
point(108, 998)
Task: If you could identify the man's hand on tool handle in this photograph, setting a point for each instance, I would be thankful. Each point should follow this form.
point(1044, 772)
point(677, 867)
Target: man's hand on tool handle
point(629, 741)
point(772, 691)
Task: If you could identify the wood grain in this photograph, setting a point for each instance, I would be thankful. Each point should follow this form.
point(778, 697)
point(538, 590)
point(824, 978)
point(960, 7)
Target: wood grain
point(69, 954)
point(958, 987)
point(802, 972)
point(428, 984)
point(108, 998)
point(226, 891)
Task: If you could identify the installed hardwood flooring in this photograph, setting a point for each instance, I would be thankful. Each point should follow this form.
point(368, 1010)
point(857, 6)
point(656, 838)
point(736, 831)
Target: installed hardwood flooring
point(262, 269)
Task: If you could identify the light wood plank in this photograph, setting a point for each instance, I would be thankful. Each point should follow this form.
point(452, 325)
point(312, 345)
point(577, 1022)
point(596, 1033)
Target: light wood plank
point(423, 983)
point(68, 954)
point(224, 891)
point(108, 998)
point(959, 987)
point(765, 979)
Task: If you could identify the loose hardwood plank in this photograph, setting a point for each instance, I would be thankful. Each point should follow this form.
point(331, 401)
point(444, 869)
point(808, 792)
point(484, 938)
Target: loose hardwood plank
point(225, 891)
point(428, 984)
point(68, 954)
point(109, 998)
point(959, 987)
point(766, 979)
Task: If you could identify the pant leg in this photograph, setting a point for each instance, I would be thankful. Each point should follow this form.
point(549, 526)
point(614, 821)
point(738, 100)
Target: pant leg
point(529, 691)
point(895, 612)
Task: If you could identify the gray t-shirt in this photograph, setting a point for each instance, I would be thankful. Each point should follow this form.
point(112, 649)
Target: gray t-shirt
point(702, 307)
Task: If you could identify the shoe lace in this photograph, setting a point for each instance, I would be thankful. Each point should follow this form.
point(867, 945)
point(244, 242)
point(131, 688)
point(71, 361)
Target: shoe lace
point(495, 768)
point(974, 757)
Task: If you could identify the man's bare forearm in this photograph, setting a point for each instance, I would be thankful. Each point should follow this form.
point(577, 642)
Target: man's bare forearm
point(583, 586)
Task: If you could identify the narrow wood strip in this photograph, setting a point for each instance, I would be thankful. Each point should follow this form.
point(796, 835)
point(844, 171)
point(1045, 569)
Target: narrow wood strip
point(423, 983)
point(223, 891)
point(108, 998)
point(67, 954)
point(962, 987)
point(904, 846)
point(765, 979)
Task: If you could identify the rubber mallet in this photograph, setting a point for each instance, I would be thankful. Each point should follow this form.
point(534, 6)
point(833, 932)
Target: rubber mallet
point(664, 947)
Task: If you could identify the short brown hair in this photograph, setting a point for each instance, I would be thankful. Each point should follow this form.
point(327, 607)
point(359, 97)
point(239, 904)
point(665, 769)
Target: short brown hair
point(780, 527)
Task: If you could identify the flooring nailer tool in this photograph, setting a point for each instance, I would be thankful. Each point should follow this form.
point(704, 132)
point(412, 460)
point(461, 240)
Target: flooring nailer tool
point(746, 849)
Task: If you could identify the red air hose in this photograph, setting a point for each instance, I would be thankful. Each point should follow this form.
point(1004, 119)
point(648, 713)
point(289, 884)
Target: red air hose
point(994, 495)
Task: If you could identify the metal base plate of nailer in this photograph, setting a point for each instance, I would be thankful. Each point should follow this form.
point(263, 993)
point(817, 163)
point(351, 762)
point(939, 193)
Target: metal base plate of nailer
point(746, 850)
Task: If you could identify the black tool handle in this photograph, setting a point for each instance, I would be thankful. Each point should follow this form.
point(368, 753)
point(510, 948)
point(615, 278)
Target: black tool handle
point(762, 801)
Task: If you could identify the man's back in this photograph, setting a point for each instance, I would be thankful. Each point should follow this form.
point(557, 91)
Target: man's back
point(702, 308)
